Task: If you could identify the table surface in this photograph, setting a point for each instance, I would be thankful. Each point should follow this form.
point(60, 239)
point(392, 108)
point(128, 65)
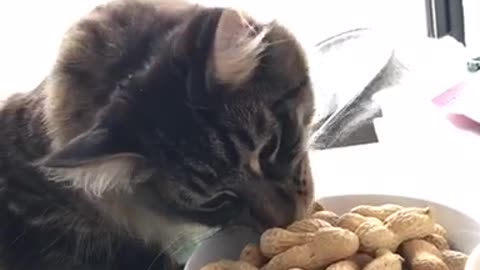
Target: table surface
point(377, 169)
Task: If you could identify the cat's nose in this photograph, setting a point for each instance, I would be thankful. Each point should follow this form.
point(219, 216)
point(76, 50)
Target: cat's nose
point(270, 215)
point(270, 207)
point(261, 219)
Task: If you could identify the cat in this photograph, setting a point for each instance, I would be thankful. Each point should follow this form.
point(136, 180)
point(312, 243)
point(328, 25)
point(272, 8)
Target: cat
point(159, 122)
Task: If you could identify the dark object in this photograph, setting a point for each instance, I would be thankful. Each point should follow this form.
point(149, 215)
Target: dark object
point(474, 65)
point(445, 17)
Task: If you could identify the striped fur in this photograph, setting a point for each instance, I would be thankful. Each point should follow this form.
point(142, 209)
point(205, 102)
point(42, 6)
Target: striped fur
point(156, 126)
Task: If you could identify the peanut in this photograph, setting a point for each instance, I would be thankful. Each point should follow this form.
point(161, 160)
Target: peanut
point(344, 265)
point(251, 254)
point(316, 207)
point(407, 224)
point(381, 211)
point(385, 260)
point(374, 235)
point(326, 241)
point(277, 240)
point(228, 265)
point(438, 241)
point(421, 255)
point(308, 225)
point(326, 215)
point(328, 245)
point(361, 259)
point(454, 260)
point(351, 221)
point(355, 262)
point(438, 229)
point(404, 224)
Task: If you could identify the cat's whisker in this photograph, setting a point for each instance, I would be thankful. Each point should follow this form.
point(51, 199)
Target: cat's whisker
point(52, 243)
point(195, 238)
point(155, 260)
point(276, 42)
point(25, 230)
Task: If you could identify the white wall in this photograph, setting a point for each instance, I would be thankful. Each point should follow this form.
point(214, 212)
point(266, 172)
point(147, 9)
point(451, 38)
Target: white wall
point(472, 26)
point(31, 29)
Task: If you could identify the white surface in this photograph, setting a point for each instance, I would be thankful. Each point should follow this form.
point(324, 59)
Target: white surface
point(378, 169)
point(463, 231)
point(472, 22)
point(420, 153)
point(32, 30)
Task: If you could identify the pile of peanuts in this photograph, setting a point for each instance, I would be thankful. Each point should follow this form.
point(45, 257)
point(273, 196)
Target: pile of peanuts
point(368, 237)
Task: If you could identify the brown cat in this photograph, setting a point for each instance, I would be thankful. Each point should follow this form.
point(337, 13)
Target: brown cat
point(160, 121)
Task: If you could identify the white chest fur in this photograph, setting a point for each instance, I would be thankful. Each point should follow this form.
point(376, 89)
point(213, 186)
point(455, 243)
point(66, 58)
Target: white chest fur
point(177, 238)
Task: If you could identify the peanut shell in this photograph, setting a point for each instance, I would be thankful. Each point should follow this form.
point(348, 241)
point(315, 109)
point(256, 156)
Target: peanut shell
point(326, 215)
point(438, 241)
point(377, 211)
point(251, 254)
point(228, 265)
point(386, 260)
point(454, 260)
point(277, 240)
point(422, 255)
point(410, 223)
point(329, 245)
point(308, 225)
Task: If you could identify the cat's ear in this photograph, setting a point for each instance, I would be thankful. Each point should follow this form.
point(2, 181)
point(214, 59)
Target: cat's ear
point(237, 47)
point(94, 146)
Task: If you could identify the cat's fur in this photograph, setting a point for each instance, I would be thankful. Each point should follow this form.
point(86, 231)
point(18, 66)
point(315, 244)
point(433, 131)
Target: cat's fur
point(160, 120)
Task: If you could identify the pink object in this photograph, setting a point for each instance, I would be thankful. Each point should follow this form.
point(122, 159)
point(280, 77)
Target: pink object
point(462, 104)
point(463, 122)
point(449, 97)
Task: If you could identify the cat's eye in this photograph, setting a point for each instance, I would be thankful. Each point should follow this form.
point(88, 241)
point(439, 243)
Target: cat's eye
point(269, 159)
point(270, 149)
point(220, 200)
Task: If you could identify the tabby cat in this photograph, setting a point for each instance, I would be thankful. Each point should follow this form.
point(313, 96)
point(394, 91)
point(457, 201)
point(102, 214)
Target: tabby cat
point(160, 121)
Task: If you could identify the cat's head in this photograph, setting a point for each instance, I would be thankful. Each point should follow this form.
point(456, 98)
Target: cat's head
point(210, 126)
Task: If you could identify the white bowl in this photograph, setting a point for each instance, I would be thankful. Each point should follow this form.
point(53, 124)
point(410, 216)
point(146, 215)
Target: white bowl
point(463, 231)
point(474, 261)
point(225, 244)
